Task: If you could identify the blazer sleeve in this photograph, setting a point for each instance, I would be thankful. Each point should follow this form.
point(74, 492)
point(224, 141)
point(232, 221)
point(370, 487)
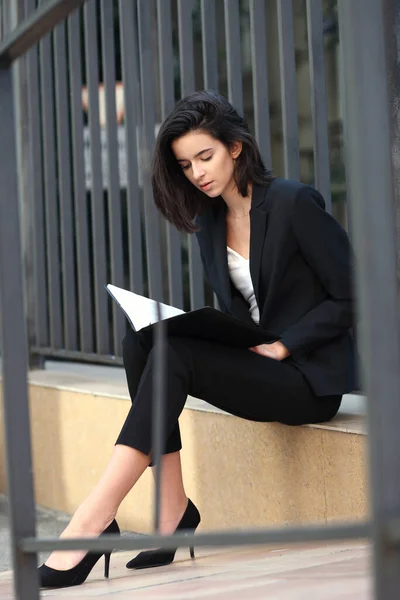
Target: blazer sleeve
point(326, 247)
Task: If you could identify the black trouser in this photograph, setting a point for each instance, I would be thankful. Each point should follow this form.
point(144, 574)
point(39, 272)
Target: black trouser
point(237, 381)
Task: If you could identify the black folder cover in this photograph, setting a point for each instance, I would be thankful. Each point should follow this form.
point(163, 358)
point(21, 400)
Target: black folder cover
point(211, 324)
point(206, 323)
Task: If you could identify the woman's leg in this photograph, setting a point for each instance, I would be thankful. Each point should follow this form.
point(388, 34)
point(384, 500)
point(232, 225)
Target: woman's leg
point(135, 352)
point(99, 509)
point(238, 381)
point(173, 497)
point(125, 467)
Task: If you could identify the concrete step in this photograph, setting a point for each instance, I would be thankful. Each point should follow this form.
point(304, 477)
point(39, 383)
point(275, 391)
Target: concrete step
point(239, 473)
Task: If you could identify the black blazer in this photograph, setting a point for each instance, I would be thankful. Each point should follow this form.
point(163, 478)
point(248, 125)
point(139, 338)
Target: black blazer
point(300, 265)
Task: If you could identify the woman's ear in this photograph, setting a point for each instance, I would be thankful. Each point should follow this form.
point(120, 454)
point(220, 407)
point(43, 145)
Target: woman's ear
point(236, 148)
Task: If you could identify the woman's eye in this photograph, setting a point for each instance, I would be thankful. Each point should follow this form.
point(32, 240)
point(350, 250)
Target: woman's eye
point(185, 167)
point(208, 158)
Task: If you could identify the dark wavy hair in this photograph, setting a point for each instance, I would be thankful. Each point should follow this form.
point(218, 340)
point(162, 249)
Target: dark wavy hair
point(178, 199)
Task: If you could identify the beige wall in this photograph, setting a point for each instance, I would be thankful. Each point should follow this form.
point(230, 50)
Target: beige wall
point(239, 473)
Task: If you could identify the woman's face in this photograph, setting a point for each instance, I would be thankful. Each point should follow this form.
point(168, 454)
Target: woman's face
point(206, 162)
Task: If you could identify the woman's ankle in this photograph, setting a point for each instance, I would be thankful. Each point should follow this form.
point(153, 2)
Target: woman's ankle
point(171, 515)
point(91, 520)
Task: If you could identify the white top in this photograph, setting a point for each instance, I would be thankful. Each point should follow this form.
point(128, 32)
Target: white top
point(239, 271)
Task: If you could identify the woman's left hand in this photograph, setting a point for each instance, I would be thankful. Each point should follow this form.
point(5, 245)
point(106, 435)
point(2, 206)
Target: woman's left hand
point(276, 351)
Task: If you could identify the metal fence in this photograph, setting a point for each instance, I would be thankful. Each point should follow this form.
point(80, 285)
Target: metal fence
point(369, 174)
point(91, 96)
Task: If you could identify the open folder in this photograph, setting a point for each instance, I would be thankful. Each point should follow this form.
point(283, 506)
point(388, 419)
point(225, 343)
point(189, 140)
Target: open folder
point(206, 323)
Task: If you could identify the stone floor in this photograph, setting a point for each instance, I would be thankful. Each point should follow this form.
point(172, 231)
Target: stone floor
point(49, 523)
point(312, 572)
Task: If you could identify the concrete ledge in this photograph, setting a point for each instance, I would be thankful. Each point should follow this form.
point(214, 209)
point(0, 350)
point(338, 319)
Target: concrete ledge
point(239, 473)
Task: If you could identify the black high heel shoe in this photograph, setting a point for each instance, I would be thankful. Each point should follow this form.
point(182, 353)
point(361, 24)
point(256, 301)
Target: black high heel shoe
point(159, 558)
point(52, 578)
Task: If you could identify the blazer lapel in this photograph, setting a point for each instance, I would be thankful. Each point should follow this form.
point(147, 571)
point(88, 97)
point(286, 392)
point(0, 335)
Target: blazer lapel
point(258, 225)
point(220, 254)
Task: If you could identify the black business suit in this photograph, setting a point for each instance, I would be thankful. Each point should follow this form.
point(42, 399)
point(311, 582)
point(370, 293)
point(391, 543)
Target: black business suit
point(300, 268)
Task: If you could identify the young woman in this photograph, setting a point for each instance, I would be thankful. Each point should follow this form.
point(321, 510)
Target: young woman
point(274, 257)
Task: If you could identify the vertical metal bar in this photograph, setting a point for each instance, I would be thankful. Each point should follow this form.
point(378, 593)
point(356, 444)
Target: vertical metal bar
point(288, 90)
point(85, 300)
point(233, 53)
point(370, 181)
point(6, 17)
point(65, 192)
point(186, 60)
point(1, 20)
point(24, 151)
point(130, 76)
point(165, 58)
point(37, 194)
point(30, 6)
point(114, 195)
point(152, 218)
point(50, 192)
point(210, 50)
point(318, 100)
point(15, 353)
point(97, 196)
point(259, 59)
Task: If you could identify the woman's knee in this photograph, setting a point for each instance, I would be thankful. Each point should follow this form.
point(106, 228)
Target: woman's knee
point(132, 346)
point(176, 353)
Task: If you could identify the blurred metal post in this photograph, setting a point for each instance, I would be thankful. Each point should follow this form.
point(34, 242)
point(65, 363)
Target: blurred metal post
point(13, 330)
point(159, 411)
point(391, 17)
point(366, 110)
point(15, 353)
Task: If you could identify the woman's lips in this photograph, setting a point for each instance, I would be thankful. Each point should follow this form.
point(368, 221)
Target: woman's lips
point(206, 185)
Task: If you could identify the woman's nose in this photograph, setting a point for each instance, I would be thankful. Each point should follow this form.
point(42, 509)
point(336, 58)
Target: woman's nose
point(198, 171)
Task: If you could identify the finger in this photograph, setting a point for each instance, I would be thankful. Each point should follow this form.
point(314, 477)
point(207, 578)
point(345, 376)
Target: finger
point(265, 353)
point(268, 354)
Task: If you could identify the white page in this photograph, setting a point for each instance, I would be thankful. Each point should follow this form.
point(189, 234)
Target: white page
point(139, 310)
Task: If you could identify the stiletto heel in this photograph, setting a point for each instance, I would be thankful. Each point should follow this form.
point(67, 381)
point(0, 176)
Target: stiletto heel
point(159, 558)
point(53, 578)
point(107, 565)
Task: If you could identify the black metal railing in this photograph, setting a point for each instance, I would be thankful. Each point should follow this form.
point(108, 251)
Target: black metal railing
point(91, 218)
point(366, 110)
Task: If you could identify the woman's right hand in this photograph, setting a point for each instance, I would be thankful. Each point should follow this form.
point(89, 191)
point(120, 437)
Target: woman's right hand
point(276, 350)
